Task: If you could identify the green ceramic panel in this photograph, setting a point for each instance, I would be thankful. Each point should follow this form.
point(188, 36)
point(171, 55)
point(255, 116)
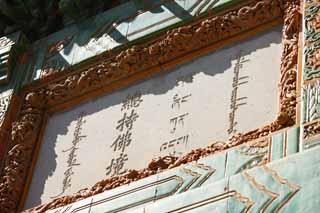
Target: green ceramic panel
point(140, 210)
point(243, 184)
point(104, 32)
point(277, 146)
point(215, 167)
point(197, 8)
point(235, 205)
point(122, 25)
point(83, 40)
point(121, 198)
point(245, 157)
point(156, 19)
point(133, 195)
point(172, 13)
point(293, 137)
point(312, 39)
point(301, 172)
point(310, 109)
point(311, 102)
point(267, 182)
point(54, 51)
point(278, 187)
point(36, 61)
point(203, 199)
point(310, 144)
point(184, 178)
point(286, 185)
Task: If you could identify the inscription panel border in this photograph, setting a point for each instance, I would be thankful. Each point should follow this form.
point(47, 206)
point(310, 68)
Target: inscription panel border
point(115, 69)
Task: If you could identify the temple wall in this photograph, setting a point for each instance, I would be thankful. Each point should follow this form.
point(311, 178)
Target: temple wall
point(223, 98)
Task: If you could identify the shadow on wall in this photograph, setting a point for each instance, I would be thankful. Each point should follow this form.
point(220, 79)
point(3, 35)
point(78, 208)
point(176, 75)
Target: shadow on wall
point(157, 85)
point(86, 34)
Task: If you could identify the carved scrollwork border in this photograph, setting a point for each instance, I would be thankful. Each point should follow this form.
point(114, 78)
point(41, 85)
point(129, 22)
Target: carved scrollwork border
point(173, 44)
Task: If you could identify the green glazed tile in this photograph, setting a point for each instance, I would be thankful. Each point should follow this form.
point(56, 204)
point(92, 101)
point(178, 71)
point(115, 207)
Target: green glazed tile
point(203, 199)
point(104, 32)
point(286, 185)
point(196, 8)
point(215, 166)
point(310, 144)
point(133, 195)
point(156, 19)
point(245, 157)
point(243, 185)
point(277, 146)
point(109, 29)
point(293, 136)
point(302, 171)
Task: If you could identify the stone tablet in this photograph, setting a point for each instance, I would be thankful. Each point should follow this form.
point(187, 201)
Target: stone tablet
point(232, 90)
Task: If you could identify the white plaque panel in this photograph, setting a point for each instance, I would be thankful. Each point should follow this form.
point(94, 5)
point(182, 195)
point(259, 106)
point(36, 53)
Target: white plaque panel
point(232, 90)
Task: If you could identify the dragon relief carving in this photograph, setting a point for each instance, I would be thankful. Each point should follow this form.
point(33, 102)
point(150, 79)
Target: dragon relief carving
point(171, 45)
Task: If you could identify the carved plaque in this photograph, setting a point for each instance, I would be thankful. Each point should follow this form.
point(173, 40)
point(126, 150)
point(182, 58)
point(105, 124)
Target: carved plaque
point(229, 91)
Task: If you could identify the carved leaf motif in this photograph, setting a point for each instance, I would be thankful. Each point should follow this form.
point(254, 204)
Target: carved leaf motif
point(312, 40)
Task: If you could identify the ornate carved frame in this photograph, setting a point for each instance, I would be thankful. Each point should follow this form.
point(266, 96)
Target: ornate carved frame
point(120, 67)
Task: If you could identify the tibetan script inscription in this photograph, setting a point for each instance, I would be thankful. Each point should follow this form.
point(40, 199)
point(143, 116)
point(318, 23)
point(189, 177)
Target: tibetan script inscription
point(237, 81)
point(172, 145)
point(229, 91)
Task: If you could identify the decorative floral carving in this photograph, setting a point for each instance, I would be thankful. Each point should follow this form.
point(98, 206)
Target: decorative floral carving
point(312, 40)
point(19, 155)
point(314, 60)
point(310, 130)
point(289, 59)
point(175, 43)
